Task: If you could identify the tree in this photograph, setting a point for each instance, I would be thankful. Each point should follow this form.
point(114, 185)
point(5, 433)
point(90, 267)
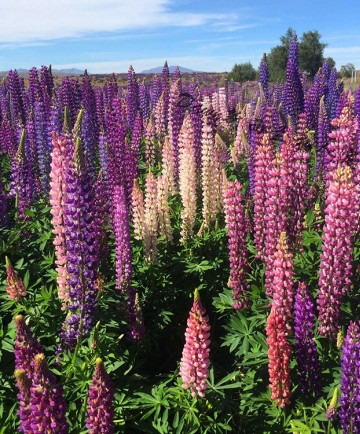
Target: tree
point(330, 61)
point(311, 54)
point(347, 70)
point(242, 72)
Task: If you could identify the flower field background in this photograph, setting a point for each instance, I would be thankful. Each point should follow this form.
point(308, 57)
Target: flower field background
point(179, 258)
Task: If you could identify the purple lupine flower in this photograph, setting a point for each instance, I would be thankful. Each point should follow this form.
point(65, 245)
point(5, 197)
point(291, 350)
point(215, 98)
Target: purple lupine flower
point(312, 101)
point(325, 69)
point(175, 117)
point(43, 146)
point(332, 97)
point(122, 239)
point(47, 405)
point(337, 250)
point(82, 259)
point(264, 77)
point(322, 138)
point(293, 94)
point(165, 75)
point(34, 89)
point(21, 180)
point(16, 97)
point(136, 329)
point(197, 121)
point(23, 383)
point(235, 223)
point(100, 419)
point(26, 346)
point(111, 90)
point(100, 108)
point(350, 384)
point(132, 99)
point(144, 102)
point(195, 360)
point(3, 205)
point(90, 129)
point(155, 90)
point(307, 357)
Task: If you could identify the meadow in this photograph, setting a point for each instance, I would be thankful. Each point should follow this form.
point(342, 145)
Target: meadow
point(179, 254)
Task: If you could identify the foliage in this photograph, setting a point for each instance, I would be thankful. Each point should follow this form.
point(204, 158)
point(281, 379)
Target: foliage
point(347, 70)
point(242, 72)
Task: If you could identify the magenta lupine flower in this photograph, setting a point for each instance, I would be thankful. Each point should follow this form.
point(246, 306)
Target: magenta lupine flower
point(15, 286)
point(235, 223)
point(47, 405)
point(195, 357)
point(122, 240)
point(100, 409)
point(322, 139)
point(265, 154)
point(63, 148)
point(337, 250)
point(342, 149)
point(306, 353)
point(278, 325)
point(350, 384)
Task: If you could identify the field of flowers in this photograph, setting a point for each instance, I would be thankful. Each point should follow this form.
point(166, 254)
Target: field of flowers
point(179, 258)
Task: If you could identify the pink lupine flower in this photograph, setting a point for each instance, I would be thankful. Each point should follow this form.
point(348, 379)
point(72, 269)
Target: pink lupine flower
point(187, 178)
point(150, 152)
point(160, 117)
point(150, 218)
point(195, 357)
point(336, 258)
point(235, 223)
point(168, 166)
point(264, 156)
point(63, 148)
point(15, 286)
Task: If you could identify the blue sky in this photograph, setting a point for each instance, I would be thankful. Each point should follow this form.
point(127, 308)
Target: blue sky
point(108, 35)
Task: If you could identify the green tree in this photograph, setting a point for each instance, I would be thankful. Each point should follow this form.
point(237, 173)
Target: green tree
point(331, 62)
point(242, 72)
point(311, 54)
point(347, 70)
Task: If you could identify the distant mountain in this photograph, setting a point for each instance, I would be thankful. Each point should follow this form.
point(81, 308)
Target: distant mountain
point(158, 70)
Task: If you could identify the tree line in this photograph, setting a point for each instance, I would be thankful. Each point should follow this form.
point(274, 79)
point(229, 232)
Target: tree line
point(311, 57)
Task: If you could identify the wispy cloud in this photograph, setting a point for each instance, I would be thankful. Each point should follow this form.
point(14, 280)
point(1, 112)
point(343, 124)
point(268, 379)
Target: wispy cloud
point(23, 20)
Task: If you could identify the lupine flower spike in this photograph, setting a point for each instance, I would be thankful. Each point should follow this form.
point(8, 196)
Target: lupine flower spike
point(195, 357)
point(15, 286)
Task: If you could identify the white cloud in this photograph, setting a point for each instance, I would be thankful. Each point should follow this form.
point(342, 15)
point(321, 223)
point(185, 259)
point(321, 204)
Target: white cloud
point(343, 55)
point(24, 20)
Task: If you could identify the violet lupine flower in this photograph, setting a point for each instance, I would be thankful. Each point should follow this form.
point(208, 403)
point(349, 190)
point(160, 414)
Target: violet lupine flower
point(132, 99)
point(63, 148)
point(195, 357)
point(264, 77)
point(155, 90)
point(82, 259)
point(278, 325)
point(337, 250)
point(349, 412)
point(43, 147)
point(122, 240)
point(47, 405)
point(307, 357)
point(100, 409)
point(196, 115)
point(312, 101)
point(187, 179)
point(16, 98)
point(23, 383)
point(165, 76)
point(293, 94)
point(133, 155)
point(34, 89)
point(111, 90)
point(264, 156)
point(15, 286)
point(235, 223)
